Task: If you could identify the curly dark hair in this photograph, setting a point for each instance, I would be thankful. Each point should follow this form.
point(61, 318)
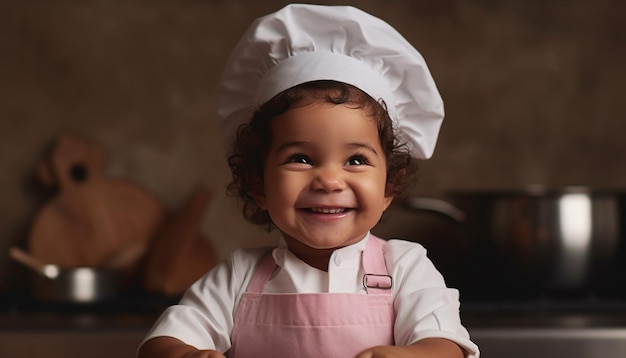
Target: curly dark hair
point(253, 140)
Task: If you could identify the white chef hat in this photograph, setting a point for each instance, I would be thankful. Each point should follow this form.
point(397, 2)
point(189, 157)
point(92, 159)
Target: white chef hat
point(302, 43)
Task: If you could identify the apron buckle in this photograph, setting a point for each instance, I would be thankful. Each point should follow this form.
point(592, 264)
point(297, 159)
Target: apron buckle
point(383, 282)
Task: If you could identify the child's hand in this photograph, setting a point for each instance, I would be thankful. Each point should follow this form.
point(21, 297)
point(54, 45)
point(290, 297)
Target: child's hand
point(204, 354)
point(425, 348)
point(168, 347)
point(386, 352)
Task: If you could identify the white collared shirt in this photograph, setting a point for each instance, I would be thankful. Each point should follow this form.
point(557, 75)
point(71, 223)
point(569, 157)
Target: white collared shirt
point(424, 306)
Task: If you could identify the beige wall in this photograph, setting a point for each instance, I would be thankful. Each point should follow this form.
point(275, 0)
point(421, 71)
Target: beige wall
point(533, 91)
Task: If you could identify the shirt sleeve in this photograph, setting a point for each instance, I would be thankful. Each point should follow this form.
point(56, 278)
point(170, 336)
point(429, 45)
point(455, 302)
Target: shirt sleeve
point(425, 307)
point(205, 314)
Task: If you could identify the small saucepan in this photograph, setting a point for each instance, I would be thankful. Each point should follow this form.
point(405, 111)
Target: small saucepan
point(538, 242)
point(68, 284)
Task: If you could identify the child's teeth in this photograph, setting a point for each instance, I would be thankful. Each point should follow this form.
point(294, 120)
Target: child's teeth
point(327, 211)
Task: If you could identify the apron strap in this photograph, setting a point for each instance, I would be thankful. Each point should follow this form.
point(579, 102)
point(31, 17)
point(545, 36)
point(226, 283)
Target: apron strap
point(376, 279)
point(264, 271)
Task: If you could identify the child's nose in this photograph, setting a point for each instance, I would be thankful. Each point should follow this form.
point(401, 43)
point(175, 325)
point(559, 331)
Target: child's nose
point(328, 179)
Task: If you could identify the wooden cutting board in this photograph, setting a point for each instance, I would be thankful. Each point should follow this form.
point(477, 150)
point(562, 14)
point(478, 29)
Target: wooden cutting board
point(180, 253)
point(93, 220)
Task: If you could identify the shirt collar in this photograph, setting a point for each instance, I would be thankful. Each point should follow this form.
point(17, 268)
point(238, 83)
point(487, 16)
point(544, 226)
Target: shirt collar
point(349, 252)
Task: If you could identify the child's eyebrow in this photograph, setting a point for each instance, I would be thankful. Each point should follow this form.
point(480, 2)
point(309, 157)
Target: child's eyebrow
point(288, 145)
point(367, 146)
point(353, 145)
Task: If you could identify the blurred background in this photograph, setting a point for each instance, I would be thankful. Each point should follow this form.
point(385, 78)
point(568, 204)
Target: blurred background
point(533, 92)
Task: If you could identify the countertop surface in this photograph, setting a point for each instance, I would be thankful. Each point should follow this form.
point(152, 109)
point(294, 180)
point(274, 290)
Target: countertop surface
point(139, 312)
point(545, 314)
point(127, 313)
point(32, 329)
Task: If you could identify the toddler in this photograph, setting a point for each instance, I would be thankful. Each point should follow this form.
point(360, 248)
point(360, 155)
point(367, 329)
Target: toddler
point(324, 110)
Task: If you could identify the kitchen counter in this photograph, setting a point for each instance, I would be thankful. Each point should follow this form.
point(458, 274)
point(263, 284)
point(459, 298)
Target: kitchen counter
point(509, 331)
point(554, 331)
point(75, 335)
point(113, 329)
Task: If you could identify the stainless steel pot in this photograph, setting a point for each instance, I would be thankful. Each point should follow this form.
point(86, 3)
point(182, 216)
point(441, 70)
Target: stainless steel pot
point(52, 283)
point(77, 284)
point(538, 242)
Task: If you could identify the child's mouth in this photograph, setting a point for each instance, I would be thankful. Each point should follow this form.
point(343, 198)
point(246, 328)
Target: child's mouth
point(327, 210)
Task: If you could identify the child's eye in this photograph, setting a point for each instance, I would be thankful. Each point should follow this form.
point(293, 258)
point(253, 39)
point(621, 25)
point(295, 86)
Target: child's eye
point(298, 158)
point(357, 160)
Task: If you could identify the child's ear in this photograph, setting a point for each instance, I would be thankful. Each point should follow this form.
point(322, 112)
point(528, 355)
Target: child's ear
point(389, 196)
point(392, 186)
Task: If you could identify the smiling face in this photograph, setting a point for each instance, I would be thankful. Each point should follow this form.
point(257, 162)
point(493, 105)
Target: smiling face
point(325, 177)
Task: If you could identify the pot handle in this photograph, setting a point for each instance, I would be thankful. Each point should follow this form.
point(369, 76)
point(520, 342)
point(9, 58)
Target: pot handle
point(437, 206)
point(28, 260)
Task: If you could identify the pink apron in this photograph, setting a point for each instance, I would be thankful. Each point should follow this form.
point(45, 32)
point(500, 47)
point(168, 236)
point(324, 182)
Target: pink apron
point(316, 324)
